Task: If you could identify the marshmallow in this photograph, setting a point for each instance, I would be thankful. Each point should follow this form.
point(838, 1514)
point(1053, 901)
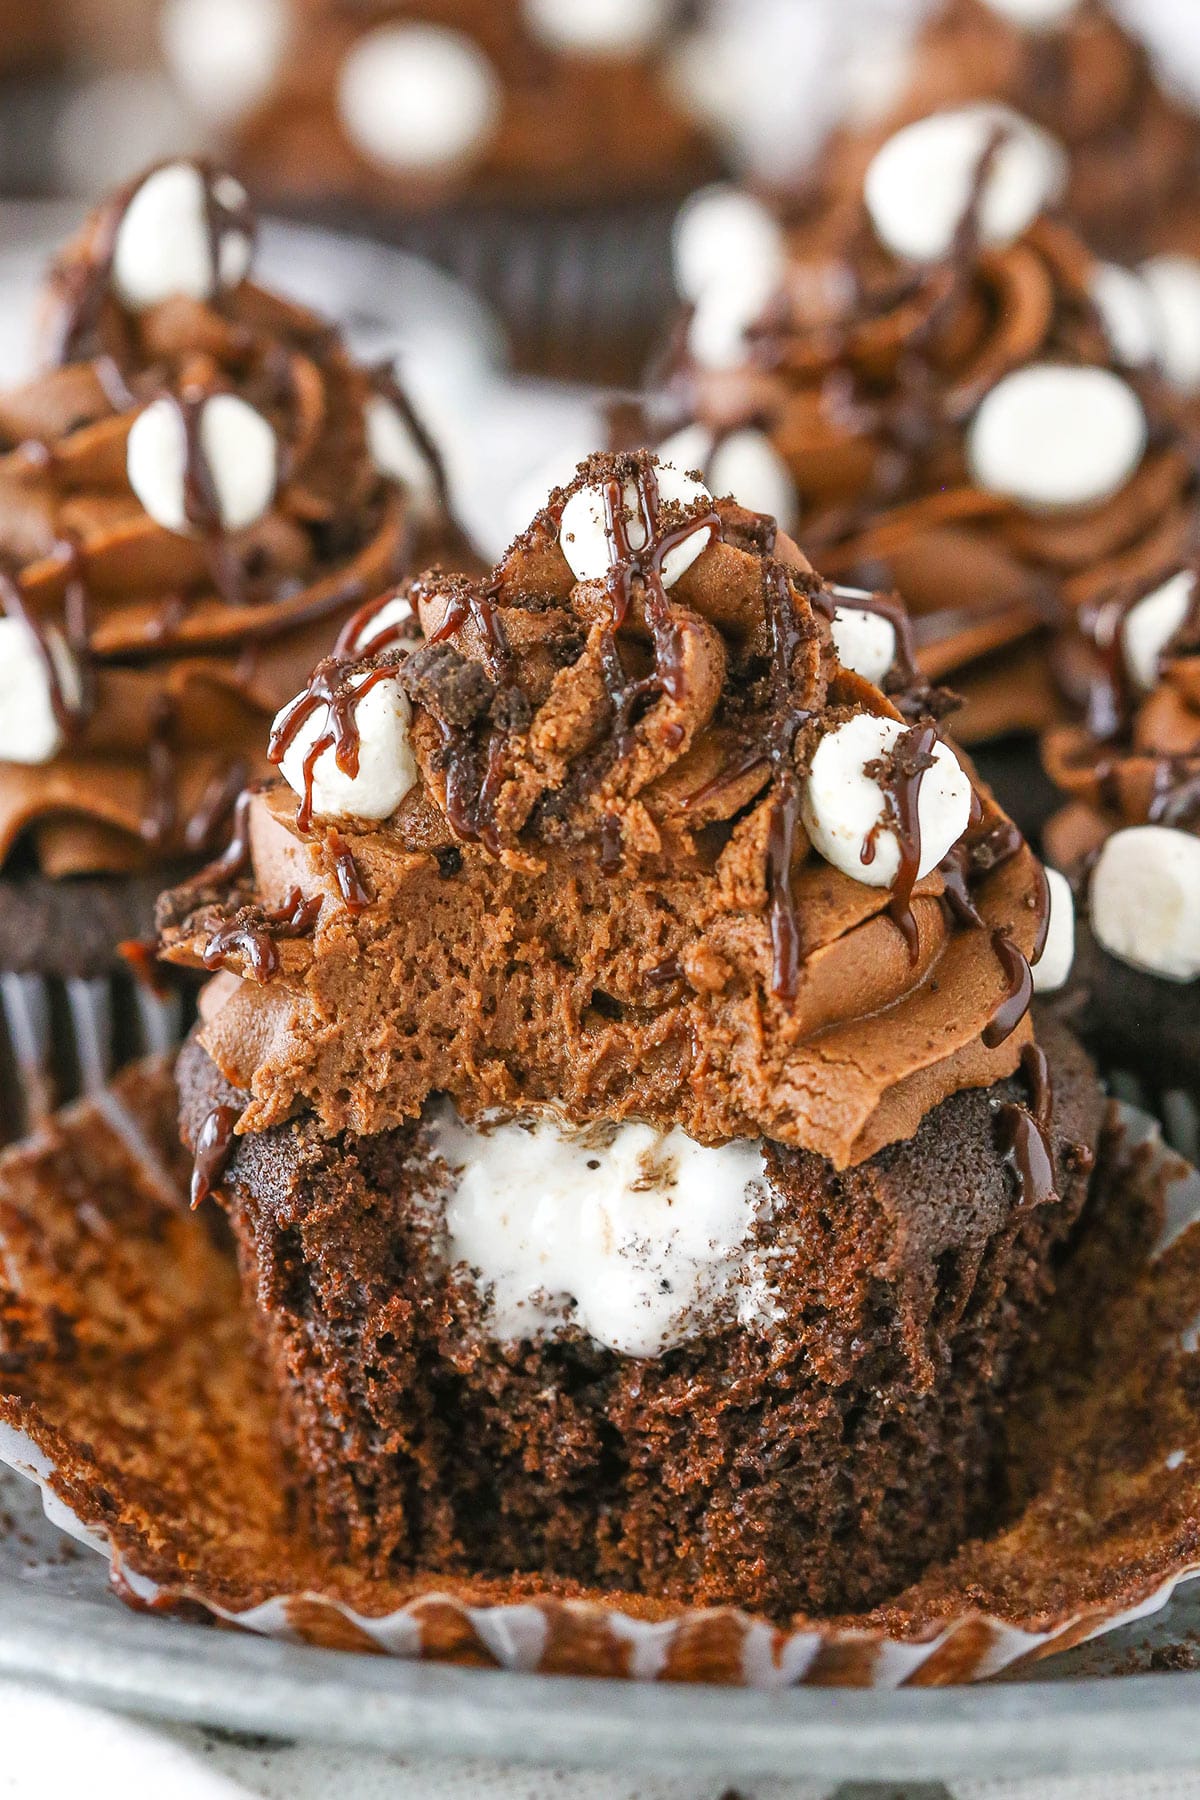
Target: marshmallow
point(30, 732)
point(1053, 967)
point(1174, 284)
point(163, 245)
point(418, 97)
point(636, 1237)
point(745, 464)
point(239, 448)
point(1143, 900)
point(843, 804)
point(223, 54)
point(379, 625)
point(585, 541)
point(864, 641)
point(1035, 15)
point(387, 767)
point(397, 454)
point(597, 27)
point(1127, 313)
point(1149, 626)
point(722, 236)
point(919, 185)
point(717, 330)
point(1052, 436)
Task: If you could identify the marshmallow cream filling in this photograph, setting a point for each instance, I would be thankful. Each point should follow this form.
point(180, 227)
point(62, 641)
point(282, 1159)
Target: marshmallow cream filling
point(640, 1238)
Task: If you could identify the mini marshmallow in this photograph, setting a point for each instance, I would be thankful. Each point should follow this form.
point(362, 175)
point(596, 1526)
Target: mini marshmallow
point(722, 236)
point(919, 185)
point(745, 464)
point(585, 541)
point(1034, 15)
point(397, 611)
point(1174, 285)
point(1143, 900)
point(387, 768)
point(163, 245)
point(418, 97)
point(1053, 968)
point(597, 27)
point(1053, 435)
point(1149, 627)
point(1127, 313)
point(717, 330)
point(864, 641)
point(396, 453)
point(30, 732)
point(223, 54)
point(239, 447)
point(843, 805)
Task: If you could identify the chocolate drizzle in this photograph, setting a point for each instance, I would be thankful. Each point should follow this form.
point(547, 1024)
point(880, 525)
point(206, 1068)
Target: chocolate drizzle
point(1026, 1133)
point(788, 719)
point(213, 1151)
point(901, 775)
point(1013, 1008)
point(331, 688)
point(253, 934)
point(70, 712)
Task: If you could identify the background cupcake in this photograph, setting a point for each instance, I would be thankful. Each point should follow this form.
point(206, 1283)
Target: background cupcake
point(196, 490)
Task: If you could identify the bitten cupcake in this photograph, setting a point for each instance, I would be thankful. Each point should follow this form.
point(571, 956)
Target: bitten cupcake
point(961, 401)
point(195, 490)
point(1072, 67)
point(645, 1170)
point(1128, 833)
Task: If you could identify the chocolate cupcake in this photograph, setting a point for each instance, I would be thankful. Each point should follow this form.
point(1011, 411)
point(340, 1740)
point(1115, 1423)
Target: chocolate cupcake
point(621, 1079)
point(960, 401)
point(195, 490)
point(1071, 67)
point(534, 147)
point(1128, 835)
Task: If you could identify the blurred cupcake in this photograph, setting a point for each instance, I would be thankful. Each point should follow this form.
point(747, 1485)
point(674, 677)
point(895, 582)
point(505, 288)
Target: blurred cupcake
point(959, 400)
point(1070, 66)
point(534, 146)
point(196, 490)
point(1128, 834)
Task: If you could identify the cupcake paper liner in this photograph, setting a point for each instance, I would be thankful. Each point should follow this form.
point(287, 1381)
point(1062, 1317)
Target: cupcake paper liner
point(129, 1393)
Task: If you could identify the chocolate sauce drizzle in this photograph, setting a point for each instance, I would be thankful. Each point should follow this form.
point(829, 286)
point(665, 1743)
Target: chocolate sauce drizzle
point(253, 935)
point(787, 634)
point(1026, 1133)
point(901, 777)
point(328, 688)
point(1013, 1008)
point(213, 1152)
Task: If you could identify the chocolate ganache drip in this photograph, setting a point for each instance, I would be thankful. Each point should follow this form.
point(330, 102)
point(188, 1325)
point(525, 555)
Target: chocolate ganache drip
point(190, 505)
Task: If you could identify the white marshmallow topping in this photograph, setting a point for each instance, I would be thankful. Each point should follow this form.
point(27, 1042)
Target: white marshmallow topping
point(223, 55)
point(396, 453)
point(865, 641)
point(1174, 286)
point(1144, 900)
point(636, 1237)
point(723, 235)
point(416, 98)
point(239, 448)
point(1149, 626)
point(1127, 313)
point(584, 537)
point(598, 27)
point(1053, 967)
point(745, 464)
point(30, 732)
point(1056, 436)
point(387, 767)
point(843, 805)
point(163, 245)
point(1034, 15)
point(919, 186)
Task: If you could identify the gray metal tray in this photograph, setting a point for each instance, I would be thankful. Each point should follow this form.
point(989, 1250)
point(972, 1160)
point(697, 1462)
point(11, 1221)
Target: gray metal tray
point(60, 1626)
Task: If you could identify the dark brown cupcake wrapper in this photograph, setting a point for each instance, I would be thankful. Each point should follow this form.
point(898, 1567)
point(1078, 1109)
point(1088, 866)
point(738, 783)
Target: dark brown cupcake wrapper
point(155, 1447)
point(64, 1037)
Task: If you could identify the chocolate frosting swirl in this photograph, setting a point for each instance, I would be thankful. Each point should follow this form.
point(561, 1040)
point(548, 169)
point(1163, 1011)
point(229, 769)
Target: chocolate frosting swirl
point(186, 641)
point(866, 375)
point(1130, 758)
point(621, 760)
point(1134, 151)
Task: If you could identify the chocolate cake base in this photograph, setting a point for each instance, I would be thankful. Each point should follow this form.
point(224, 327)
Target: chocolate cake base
point(820, 1466)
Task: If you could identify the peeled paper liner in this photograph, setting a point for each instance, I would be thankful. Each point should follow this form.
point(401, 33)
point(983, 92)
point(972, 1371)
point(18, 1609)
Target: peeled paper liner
point(129, 1394)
